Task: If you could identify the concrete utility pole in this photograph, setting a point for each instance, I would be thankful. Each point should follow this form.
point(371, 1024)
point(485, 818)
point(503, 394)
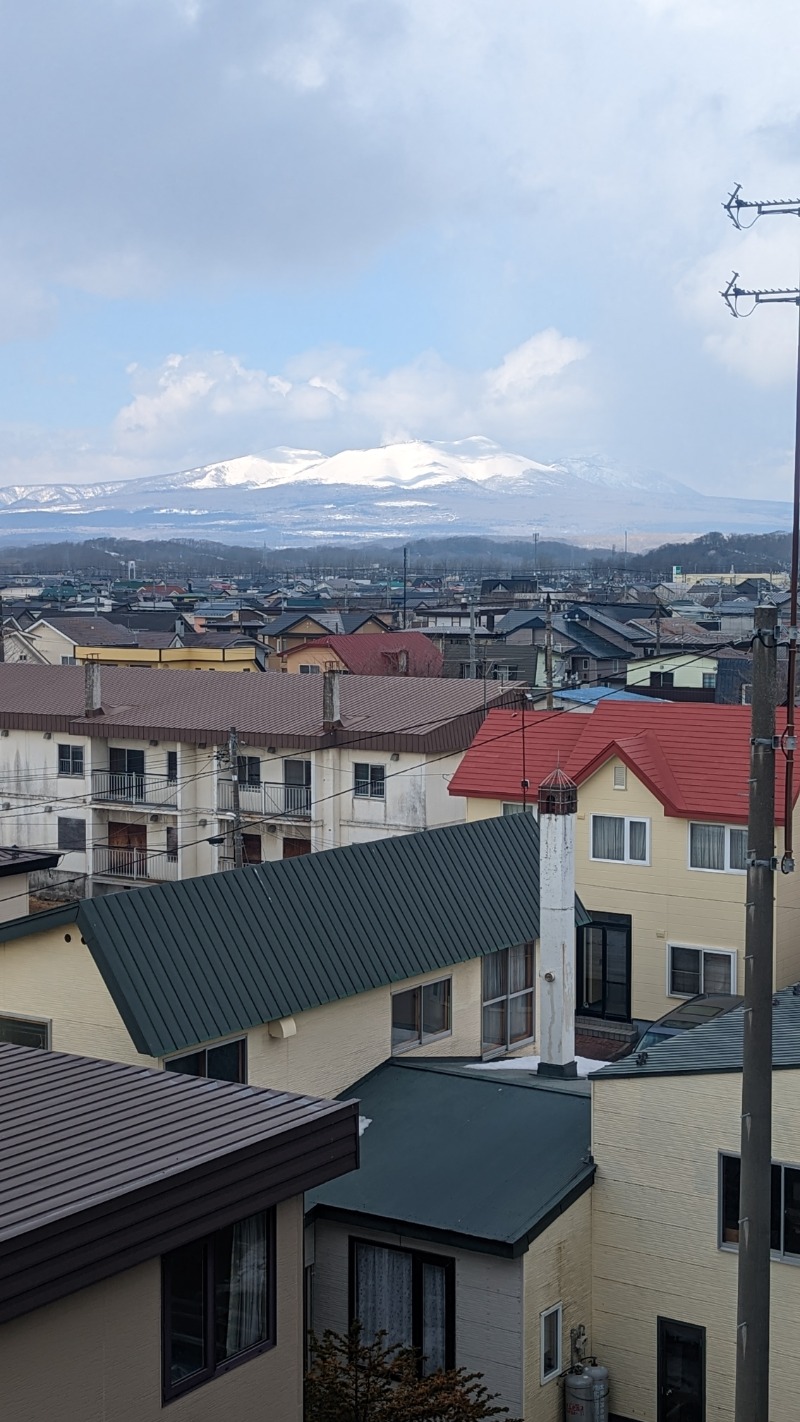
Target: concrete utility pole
point(233, 756)
point(473, 659)
point(752, 1313)
point(548, 651)
point(405, 589)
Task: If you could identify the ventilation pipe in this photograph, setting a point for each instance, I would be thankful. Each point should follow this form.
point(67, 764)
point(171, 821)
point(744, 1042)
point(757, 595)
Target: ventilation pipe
point(93, 705)
point(558, 804)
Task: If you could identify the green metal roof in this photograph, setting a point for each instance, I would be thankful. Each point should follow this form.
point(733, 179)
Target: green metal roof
point(188, 962)
point(716, 1046)
point(453, 1154)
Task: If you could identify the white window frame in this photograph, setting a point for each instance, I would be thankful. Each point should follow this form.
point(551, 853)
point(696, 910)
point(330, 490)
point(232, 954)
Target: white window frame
point(368, 793)
point(715, 824)
point(45, 1022)
point(701, 948)
point(546, 1377)
point(629, 820)
point(619, 777)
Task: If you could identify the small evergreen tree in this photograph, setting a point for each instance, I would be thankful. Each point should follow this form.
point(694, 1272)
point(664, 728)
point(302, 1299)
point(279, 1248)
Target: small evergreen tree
point(351, 1380)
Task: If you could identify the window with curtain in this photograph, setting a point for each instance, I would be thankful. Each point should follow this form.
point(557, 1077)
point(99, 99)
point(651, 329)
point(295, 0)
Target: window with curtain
point(784, 1206)
point(421, 1014)
point(408, 1295)
point(721, 848)
point(508, 998)
point(227, 1061)
point(621, 839)
point(694, 970)
point(218, 1302)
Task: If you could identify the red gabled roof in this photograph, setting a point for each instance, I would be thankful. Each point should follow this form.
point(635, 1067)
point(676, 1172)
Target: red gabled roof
point(379, 653)
point(694, 758)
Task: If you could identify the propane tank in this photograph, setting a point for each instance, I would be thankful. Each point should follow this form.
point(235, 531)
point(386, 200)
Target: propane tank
point(599, 1380)
point(579, 1396)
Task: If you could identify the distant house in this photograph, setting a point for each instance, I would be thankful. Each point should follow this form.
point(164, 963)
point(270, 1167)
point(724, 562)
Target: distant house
point(666, 1139)
point(367, 654)
point(467, 1229)
point(151, 1240)
point(16, 868)
point(53, 641)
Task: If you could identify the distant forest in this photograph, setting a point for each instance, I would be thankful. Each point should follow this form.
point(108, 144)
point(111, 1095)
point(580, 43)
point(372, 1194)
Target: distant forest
point(185, 558)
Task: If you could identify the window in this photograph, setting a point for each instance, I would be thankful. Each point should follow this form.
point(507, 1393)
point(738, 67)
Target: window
point(68, 661)
point(508, 996)
point(515, 807)
point(251, 848)
point(709, 681)
point(172, 843)
point(550, 1342)
point(218, 1302)
point(747, 693)
point(227, 1061)
point(172, 766)
point(621, 839)
point(308, 670)
point(662, 679)
point(722, 848)
point(620, 778)
point(370, 781)
point(70, 760)
point(784, 1210)
point(407, 1294)
point(71, 833)
point(421, 1014)
point(693, 970)
point(25, 1032)
point(248, 769)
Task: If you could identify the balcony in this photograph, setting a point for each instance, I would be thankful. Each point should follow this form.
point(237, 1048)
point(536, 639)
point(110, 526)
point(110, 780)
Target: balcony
point(128, 788)
point(135, 865)
point(276, 801)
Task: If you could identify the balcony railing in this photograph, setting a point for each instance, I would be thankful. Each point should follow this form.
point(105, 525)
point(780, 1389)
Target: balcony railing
point(108, 861)
point(128, 788)
point(285, 802)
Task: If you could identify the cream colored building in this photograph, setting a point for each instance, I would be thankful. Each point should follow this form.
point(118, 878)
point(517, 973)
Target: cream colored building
point(681, 669)
point(665, 1217)
point(660, 846)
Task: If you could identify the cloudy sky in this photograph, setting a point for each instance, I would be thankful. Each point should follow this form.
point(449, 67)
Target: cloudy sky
point(233, 224)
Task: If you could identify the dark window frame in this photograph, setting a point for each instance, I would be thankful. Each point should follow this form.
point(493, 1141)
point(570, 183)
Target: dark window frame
point(44, 1024)
point(372, 780)
point(777, 1227)
point(203, 1051)
point(213, 1369)
point(424, 1037)
point(419, 1257)
point(248, 771)
point(172, 767)
point(68, 753)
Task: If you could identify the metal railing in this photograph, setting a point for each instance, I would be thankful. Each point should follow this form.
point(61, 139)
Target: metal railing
point(128, 788)
point(287, 802)
point(114, 862)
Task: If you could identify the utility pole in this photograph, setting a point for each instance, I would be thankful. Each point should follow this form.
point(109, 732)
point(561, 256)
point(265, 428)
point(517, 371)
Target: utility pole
point(405, 589)
point(753, 1303)
point(233, 757)
point(548, 651)
point(473, 659)
point(658, 630)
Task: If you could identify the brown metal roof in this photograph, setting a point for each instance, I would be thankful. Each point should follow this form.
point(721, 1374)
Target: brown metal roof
point(104, 1165)
point(92, 631)
point(418, 714)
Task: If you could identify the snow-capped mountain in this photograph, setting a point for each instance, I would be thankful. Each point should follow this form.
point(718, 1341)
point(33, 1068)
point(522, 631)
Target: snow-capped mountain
point(409, 489)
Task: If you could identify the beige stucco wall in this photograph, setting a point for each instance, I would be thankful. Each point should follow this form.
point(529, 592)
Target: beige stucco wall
point(657, 1143)
point(688, 670)
point(45, 976)
point(96, 1355)
point(489, 1331)
point(557, 1269)
point(669, 903)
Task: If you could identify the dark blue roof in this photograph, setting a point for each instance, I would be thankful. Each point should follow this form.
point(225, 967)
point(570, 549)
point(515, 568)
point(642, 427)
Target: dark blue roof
point(456, 1154)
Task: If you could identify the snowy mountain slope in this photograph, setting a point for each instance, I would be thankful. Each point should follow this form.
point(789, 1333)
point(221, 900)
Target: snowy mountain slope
point(404, 489)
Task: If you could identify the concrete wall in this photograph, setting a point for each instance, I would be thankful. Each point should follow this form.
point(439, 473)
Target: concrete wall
point(13, 896)
point(96, 1355)
point(557, 1269)
point(489, 1303)
point(669, 903)
point(655, 1201)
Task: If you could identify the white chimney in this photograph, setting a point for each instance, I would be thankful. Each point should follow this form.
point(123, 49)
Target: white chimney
point(92, 703)
point(331, 700)
point(558, 803)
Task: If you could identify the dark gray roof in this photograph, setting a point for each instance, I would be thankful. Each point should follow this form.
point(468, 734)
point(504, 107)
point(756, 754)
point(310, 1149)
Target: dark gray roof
point(454, 1153)
point(195, 960)
point(24, 861)
point(104, 1165)
point(717, 1046)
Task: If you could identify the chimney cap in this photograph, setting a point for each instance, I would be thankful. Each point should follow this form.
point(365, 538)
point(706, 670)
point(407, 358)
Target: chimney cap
point(558, 795)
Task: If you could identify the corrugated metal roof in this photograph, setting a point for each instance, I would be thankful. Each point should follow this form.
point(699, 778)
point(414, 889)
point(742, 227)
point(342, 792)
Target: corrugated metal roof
point(78, 1132)
point(376, 653)
point(192, 961)
point(420, 714)
point(454, 1152)
point(717, 1045)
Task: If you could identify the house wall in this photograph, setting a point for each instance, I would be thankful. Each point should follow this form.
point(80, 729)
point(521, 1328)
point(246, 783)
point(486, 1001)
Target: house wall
point(229, 659)
point(556, 1269)
point(96, 1355)
point(489, 1303)
point(654, 1235)
point(50, 644)
point(688, 670)
point(310, 656)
